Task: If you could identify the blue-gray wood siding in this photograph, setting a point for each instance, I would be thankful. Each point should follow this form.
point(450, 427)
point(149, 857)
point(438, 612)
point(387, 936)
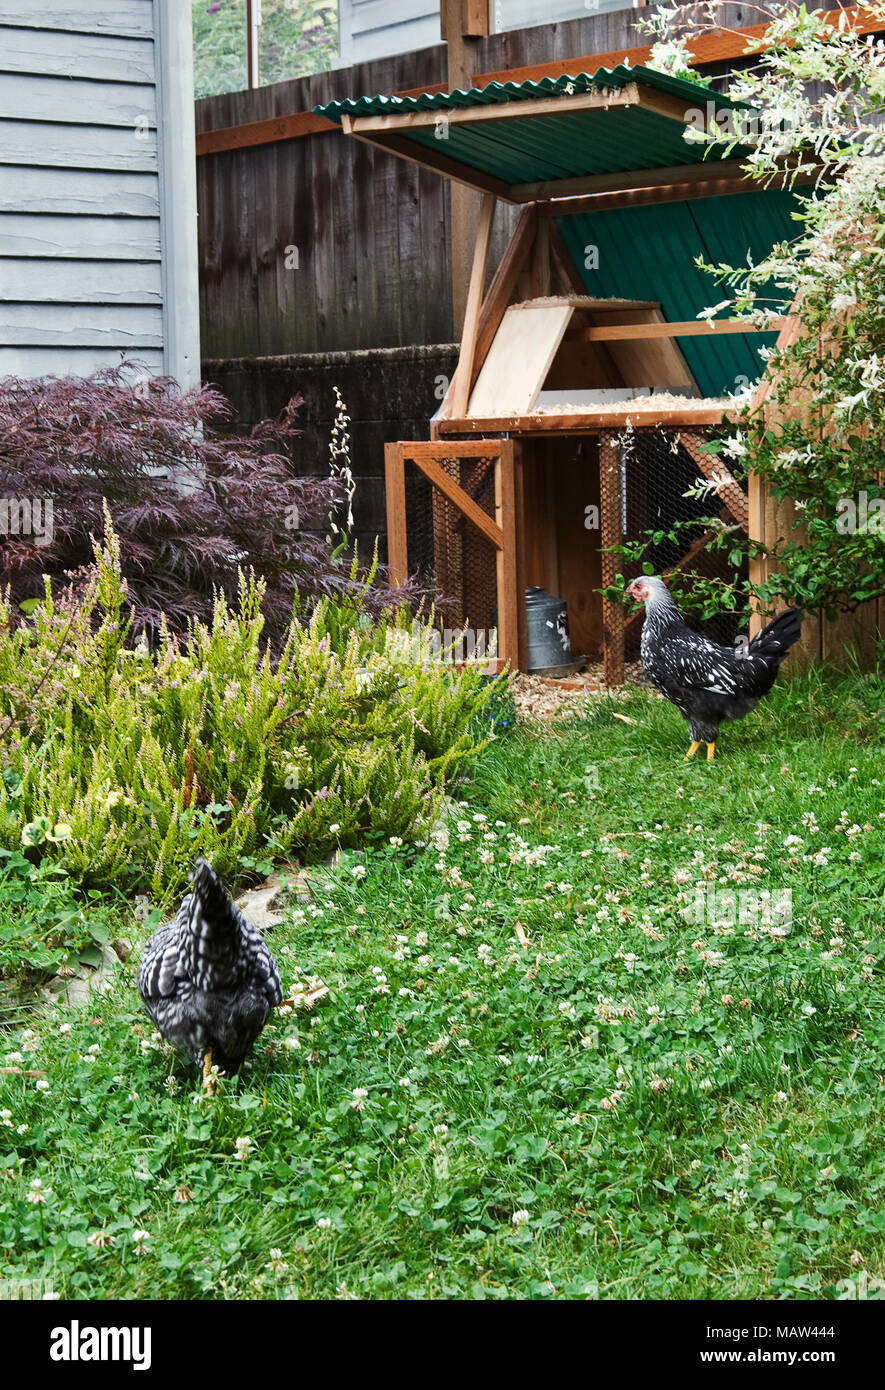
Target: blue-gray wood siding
point(372, 29)
point(82, 235)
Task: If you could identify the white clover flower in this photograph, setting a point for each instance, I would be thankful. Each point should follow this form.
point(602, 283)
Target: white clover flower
point(140, 1240)
point(243, 1147)
point(441, 1131)
point(42, 1085)
point(324, 1223)
point(6, 1118)
point(333, 829)
point(360, 1095)
point(37, 1193)
point(520, 1218)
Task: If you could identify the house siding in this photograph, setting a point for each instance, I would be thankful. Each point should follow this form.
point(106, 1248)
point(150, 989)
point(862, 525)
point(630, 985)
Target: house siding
point(85, 230)
point(372, 29)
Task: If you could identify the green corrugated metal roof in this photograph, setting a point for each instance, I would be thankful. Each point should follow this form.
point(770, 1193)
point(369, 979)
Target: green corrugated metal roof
point(498, 93)
point(648, 253)
point(544, 147)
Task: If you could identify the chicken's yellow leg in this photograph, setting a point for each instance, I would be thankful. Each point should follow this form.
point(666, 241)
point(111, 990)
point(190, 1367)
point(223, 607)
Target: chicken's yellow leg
point(711, 749)
point(692, 749)
point(208, 1078)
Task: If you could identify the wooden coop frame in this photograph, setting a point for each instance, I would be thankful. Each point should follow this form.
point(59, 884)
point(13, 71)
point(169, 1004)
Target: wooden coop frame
point(537, 311)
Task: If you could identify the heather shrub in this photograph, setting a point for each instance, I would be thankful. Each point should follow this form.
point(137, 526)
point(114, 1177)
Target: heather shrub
point(123, 762)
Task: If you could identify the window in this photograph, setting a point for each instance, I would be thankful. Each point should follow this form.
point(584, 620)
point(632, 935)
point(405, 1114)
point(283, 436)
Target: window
point(295, 38)
point(525, 14)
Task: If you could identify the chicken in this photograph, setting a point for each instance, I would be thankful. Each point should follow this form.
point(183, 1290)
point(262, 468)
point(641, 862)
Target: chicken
point(207, 979)
point(707, 683)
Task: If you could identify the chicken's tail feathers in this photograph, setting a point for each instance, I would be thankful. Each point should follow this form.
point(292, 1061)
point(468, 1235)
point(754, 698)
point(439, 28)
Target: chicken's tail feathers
point(776, 639)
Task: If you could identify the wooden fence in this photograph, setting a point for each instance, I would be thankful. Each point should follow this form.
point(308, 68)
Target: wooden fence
point(369, 235)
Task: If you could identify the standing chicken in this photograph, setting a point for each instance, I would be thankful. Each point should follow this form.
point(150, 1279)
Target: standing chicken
point(707, 683)
point(207, 979)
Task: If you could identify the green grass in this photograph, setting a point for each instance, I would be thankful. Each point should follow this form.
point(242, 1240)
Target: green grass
point(741, 1157)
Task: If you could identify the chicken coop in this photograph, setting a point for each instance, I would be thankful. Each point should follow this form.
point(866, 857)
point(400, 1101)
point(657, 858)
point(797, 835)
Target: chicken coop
point(587, 384)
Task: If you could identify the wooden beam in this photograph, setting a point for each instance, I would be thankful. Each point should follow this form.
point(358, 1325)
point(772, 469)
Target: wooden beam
point(541, 260)
point(464, 371)
point(499, 295)
point(631, 178)
point(613, 616)
point(721, 46)
point(241, 137)
point(447, 485)
point(395, 493)
point(503, 284)
point(506, 558)
point(691, 328)
point(292, 127)
point(681, 191)
point(432, 159)
point(519, 495)
point(567, 272)
point(401, 123)
point(587, 422)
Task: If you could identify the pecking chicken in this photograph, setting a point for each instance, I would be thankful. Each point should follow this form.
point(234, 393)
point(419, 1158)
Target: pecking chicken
point(207, 979)
point(707, 683)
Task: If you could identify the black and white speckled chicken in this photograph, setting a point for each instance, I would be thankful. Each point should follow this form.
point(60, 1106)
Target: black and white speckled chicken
point(707, 683)
point(207, 979)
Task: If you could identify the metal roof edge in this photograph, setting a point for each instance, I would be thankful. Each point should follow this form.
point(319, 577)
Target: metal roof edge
point(503, 93)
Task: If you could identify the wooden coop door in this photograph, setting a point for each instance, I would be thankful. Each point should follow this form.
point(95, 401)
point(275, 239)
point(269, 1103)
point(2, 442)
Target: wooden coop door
point(451, 519)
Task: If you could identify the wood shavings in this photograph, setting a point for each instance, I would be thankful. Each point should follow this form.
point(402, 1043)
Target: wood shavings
point(546, 697)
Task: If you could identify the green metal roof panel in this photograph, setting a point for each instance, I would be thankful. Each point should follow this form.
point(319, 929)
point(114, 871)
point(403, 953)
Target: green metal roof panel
point(549, 148)
point(545, 147)
point(501, 93)
point(649, 253)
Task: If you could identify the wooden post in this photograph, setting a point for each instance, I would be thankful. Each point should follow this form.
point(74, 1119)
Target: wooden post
point(464, 373)
point(462, 21)
point(506, 557)
point(519, 490)
point(253, 28)
point(609, 535)
point(395, 489)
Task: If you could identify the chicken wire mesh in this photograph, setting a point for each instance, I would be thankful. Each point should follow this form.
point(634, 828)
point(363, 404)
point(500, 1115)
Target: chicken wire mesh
point(657, 469)
point(453, 561)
